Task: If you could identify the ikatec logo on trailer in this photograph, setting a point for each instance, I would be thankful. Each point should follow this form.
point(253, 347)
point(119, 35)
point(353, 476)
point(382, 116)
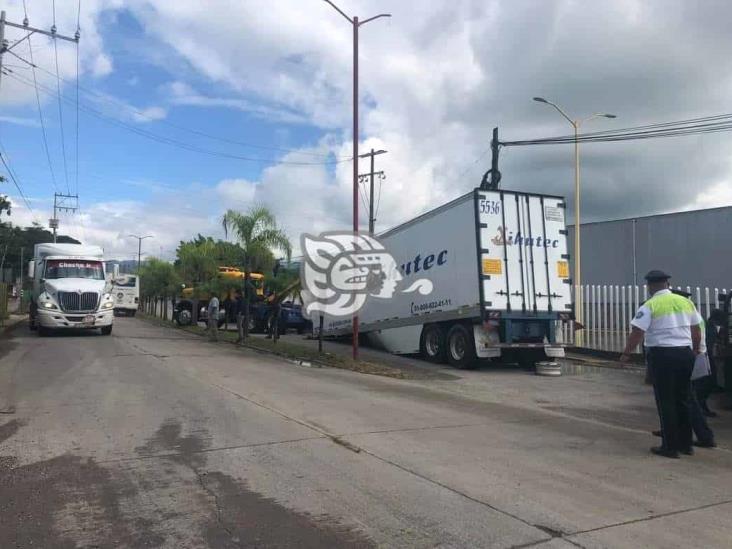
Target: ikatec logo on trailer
point(340, 270)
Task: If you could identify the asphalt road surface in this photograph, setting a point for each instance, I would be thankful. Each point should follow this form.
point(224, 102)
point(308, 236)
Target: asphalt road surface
point(155, 438)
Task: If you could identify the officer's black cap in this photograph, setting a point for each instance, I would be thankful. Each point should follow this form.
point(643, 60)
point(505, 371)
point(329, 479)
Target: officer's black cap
point(657, 276)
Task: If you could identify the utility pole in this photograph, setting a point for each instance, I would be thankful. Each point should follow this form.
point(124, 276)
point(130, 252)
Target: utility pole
point(61, 204)
point(139, 248)
point(492, 178)
point(355, 23)
point(4, 47)
point(370, 175)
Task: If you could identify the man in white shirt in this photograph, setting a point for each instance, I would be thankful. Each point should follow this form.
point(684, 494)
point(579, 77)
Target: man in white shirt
point(213, 319)
point(670, 325)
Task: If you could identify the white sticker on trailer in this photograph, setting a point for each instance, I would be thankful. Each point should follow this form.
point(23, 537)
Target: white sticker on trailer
point(552, 213)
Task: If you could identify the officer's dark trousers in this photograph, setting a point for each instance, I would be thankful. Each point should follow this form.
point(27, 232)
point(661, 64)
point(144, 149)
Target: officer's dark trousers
point(671, 370)
point(699, 423)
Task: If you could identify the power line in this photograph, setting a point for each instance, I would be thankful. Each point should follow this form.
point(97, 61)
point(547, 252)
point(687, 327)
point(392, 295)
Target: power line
point(111, 100)
point(60, 109)
point(40, 114)
point(76, 149)
point(694, 126)
point(3, 156)
point(171, 141)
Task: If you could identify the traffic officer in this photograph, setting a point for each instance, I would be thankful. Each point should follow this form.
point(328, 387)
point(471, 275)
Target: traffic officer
point(670, 325)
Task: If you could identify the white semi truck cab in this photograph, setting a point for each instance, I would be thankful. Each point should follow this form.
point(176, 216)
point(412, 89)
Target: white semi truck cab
point(70, 289)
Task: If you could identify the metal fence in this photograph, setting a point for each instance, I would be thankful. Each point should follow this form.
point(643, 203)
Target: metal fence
point(607, 310)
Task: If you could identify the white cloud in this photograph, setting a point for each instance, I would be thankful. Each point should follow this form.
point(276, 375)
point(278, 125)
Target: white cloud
point(719, 194)
point(435, 79)
point(150, 114)
point(236, 193)
point(20, 121)
point(93, 60)
point(183, 94)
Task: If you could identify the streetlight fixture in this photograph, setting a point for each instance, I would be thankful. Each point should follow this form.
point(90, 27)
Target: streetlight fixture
point(139, 248)
point(576, 123)
point(355, 23)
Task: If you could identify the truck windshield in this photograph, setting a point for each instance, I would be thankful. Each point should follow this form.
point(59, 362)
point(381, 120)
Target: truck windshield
point(74, 268)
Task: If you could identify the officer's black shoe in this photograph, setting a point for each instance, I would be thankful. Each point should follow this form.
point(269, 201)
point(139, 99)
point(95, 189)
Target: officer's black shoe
point(661, 451)
point(688, 451)
point(705, 444)
point(657, 433)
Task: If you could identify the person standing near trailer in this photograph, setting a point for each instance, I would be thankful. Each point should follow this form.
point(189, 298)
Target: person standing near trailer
point(700, 375)
point(213, 318)
point(670, 325)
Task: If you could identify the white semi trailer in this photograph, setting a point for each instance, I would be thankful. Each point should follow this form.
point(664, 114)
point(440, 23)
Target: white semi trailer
point(500, 272)
point(70, 289)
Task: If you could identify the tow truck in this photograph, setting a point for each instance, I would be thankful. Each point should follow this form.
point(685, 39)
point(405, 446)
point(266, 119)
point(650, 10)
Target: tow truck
point(184, 307)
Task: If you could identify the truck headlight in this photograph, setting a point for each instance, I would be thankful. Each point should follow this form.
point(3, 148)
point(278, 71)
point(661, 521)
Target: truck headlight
point(48, 305)
point(107, 304)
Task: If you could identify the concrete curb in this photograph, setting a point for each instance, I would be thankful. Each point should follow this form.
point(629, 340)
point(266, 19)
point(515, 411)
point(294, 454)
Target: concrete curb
point(290, 357)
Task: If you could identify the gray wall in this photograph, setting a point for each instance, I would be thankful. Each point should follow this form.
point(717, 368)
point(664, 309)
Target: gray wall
point(694, 247)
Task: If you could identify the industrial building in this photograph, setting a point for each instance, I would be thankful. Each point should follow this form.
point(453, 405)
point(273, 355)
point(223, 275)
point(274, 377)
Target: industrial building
point(693, 246)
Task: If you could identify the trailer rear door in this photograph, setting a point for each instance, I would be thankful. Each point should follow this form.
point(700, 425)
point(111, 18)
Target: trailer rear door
point(522, 252)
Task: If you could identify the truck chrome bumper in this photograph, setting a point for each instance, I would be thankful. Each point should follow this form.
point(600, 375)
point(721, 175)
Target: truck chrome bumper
point(62, 320)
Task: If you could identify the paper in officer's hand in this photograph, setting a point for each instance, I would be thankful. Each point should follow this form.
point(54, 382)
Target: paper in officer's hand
point(701, 367)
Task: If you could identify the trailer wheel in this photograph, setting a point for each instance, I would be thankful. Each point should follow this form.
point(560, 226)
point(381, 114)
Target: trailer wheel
point(460, 347)
point(432, 344)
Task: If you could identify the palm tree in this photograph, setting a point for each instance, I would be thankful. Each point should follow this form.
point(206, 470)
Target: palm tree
point(258, 234)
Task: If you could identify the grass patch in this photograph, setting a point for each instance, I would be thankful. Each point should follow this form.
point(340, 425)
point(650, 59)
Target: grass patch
point(291, 351)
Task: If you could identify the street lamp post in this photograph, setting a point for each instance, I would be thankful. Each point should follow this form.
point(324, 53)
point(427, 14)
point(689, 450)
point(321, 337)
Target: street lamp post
point(139, 248)
point(576, 123)
point(355, 23)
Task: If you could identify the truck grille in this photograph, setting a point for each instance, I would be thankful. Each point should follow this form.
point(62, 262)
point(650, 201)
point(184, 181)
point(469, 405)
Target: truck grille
point(82, 302)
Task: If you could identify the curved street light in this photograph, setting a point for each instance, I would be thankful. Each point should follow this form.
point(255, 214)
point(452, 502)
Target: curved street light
point(576, 123)
point(139, 247)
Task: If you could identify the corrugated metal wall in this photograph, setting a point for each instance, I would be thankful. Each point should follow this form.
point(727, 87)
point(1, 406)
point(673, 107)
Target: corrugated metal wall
point(695, 247)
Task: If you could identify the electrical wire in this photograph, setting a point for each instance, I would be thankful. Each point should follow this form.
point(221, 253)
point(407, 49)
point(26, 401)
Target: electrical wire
point(378, 200)
point(60, 109)
point(694, 126)
point(171, 141)
point(40, 116)
point(362, 194)
point(3, 157)
point(116, 102)
point(76, 149)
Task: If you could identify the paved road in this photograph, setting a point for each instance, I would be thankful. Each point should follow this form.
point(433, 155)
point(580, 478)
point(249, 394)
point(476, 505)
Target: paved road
point(153, 437)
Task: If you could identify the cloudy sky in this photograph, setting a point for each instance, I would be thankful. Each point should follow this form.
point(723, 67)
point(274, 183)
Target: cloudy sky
point(190, 107)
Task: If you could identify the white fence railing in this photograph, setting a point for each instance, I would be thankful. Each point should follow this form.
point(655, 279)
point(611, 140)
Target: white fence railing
point(607, 310)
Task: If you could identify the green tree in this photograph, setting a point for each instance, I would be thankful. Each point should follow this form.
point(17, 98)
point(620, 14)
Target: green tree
point(4, 202)
point(159, 279)
point(197, 262)
point(258, 235)
point(26, 238)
